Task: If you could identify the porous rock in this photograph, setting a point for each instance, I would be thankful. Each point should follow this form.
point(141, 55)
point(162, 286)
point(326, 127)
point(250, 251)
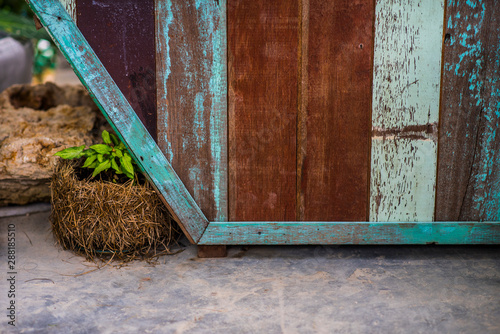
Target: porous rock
point(36, 122)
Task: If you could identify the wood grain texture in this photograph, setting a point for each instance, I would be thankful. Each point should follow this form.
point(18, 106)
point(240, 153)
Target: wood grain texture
point(334, 161)
point(70, 6)
point(122, 34)
point(121, 116)
point(350, 233)
point(469, 143)
point(192, 97)
point(406, 81)
point(263, 79)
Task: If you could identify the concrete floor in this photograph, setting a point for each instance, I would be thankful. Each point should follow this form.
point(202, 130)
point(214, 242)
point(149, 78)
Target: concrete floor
point(316, 289)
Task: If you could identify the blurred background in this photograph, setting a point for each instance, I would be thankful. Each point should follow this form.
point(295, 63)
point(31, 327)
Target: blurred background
point(28, 55)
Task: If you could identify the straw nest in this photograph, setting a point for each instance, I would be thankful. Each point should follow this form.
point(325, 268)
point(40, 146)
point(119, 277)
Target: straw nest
point(96, 218)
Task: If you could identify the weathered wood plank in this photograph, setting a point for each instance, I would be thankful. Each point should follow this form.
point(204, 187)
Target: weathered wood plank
point(192, 97)
point(469, 143)
point(350, 233)
point(121, 116)
point(122, 34)
point(70, 6)
point(334, 168)
point(263, 75)
point(407, 68)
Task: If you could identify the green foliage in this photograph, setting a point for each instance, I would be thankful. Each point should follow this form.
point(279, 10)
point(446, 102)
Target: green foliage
point(20, 27)
point(101, 157)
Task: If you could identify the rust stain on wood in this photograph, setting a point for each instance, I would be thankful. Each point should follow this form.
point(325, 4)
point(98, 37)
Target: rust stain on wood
point(416, 132)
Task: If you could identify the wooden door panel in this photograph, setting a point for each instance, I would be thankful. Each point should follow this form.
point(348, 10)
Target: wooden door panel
point(335, 113)
point(469, 141)
point(192, 98)
point(263, 73)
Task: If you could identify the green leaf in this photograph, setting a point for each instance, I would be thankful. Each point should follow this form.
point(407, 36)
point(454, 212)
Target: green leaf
point(126, 164)
point(18, 26)
point(121, 146)
point(114, 165)
point(114, 139)
point(105, 137)
point(118, 153)
point(89, 152)
point(94, 164)
point(102, 166)
point(89, 161)
point(101, 148)
point(127, 153)
point(71, 152)
point(100, 157)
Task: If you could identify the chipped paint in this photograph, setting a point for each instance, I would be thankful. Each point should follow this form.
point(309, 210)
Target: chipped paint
point(192, 97)
point(406, 82)
point(70, 6)
point(469, 176)
point(350, 233)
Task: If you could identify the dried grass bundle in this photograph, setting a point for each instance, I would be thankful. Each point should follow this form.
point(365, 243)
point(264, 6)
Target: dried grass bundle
point(98, 217)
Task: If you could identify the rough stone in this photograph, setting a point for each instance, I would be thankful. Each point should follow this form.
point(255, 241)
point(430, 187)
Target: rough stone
point(36, 122)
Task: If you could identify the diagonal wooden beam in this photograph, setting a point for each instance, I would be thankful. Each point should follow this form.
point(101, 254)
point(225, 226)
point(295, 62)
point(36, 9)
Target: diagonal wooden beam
point(121, 116)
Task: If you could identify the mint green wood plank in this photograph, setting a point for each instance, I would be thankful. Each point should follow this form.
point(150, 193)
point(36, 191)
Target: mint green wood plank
point(192, 97)
point(406, 79)
point(121, 116)
point(349, 233)
point(70, 6)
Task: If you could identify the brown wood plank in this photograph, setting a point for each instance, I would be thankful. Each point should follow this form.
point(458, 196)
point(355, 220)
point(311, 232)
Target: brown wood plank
point(337, 51)
point(122, 34)
point(192, 96)
point(263, 76)
point(468, 185)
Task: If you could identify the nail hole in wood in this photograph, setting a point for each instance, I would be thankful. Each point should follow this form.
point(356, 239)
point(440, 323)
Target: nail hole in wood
point(361, 46)
point(447, 37)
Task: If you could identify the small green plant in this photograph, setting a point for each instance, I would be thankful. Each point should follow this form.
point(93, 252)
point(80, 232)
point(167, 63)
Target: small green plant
point(101, 157)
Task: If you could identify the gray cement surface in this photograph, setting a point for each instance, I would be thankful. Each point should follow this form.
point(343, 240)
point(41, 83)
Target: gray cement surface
point(315, 289)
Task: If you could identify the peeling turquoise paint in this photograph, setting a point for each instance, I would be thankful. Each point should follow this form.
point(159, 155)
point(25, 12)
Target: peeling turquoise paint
point(202, 97)
point(350, 233)
point(476, 56)
point(218, 125)
point(163, 49)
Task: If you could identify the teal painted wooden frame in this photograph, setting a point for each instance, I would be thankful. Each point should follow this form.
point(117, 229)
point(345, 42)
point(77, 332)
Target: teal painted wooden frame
point(195, 225)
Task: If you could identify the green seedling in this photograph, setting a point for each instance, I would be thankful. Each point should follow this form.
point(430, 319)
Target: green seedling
point(101, 157)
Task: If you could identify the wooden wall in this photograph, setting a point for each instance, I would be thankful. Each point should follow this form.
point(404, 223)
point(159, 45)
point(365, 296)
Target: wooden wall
point(122, 34)
point(314, 110)
point(469, 142)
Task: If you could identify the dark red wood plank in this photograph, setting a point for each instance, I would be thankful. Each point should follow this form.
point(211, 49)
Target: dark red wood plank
point(468, 186)
point(122, 34)
point(263, 77)
point(335, 131)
